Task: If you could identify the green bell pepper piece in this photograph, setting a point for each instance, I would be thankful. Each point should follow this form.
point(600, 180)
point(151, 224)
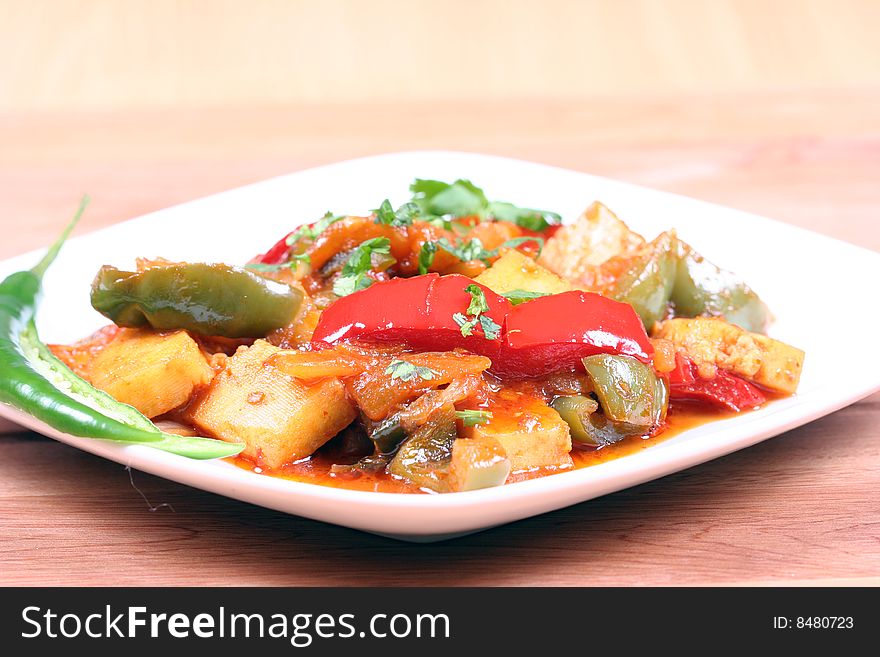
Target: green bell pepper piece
point(701, 288)
point(628, 390)
point(647, 283)
point(211, 299)
point(423, 459)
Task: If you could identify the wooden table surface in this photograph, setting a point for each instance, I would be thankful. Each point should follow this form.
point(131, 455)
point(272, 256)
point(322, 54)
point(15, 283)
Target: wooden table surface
point(801, 508)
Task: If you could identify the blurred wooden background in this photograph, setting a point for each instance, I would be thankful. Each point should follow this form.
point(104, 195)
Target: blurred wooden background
point(111, 54)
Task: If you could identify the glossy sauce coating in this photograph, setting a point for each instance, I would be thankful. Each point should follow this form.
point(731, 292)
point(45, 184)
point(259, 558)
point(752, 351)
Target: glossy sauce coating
point(316, 469)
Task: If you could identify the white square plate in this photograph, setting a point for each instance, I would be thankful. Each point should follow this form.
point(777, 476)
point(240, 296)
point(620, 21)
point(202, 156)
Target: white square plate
point(815, 286)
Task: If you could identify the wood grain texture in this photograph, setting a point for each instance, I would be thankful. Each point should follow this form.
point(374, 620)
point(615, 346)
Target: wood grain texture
point(100, 54)
point(802, 508)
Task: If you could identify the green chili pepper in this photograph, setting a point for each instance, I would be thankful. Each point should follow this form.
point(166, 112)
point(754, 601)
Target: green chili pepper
point(647, 283)
point(210, 299)
point(701, 288)
point(36, 382)
point(627, 389)
point(423, 459)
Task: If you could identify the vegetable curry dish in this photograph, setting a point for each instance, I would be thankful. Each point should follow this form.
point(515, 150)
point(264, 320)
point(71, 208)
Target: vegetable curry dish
point(450, 344)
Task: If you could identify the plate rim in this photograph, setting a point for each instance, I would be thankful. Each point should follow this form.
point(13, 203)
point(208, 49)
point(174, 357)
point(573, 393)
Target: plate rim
point(569, 485)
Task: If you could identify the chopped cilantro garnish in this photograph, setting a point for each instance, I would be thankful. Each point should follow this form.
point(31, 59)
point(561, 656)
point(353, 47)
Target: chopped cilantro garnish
point(426, 256)
point(476, 308)
point(466, 251)
point(517, 297)
point(473, 249)
point(463, 199)
point(354, 273)
point(402, 216)
point(312, 231)
point(406, 371)
point(466, 325)
point(472, 418)
point(490, 329)
point(478, 303)
point(536, 220)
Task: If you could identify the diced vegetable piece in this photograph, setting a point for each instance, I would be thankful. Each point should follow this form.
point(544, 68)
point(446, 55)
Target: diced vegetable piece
point(424, 458)
point(516, 271)
point(713, 344)
point(532, 434)
point(724, 390)
point(554, 333)
point(153, 372)
point(387, 434)
point(211, 299)
point(477, 463)
point(576, 411)
point(378, 393)
point(596, 236)
point(701, 288)
point(664, 355)
point(279, 418)
point(647, 283)
point(628, 390)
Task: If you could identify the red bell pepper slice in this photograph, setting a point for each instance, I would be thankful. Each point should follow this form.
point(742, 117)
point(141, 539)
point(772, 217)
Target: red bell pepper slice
point(553, 333)
point(415, 311)
point(277, 254)
point(725, 390)
point(548, 334)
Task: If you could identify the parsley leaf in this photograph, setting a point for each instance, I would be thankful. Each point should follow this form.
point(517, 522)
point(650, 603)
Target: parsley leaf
point(459, 199)
point(462, 199)
point(472, 418)
point(476, 308)
point(311, 232)
point(536, 220)
point(517, 297)
point(470, 250)
point(478, 303)
point(466, 325)
point(426, 256)
point(406, 371)
point(354, 274)
point(473, 249)
point(491, 330)
point(402, 216)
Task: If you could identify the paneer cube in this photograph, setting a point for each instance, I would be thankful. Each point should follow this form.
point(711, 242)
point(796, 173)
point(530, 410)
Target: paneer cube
point(154, 372)
point(516, 271)
point(596, 236)
point(532, 434)
point(280, 419)
point(714, 343)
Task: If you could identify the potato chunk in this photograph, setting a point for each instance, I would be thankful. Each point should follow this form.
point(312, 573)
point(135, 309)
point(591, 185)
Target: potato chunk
point(279, 418)
point(714, 343)
point(516, 271)
point(532, 434)
point(595, 237)
point(154, 372)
